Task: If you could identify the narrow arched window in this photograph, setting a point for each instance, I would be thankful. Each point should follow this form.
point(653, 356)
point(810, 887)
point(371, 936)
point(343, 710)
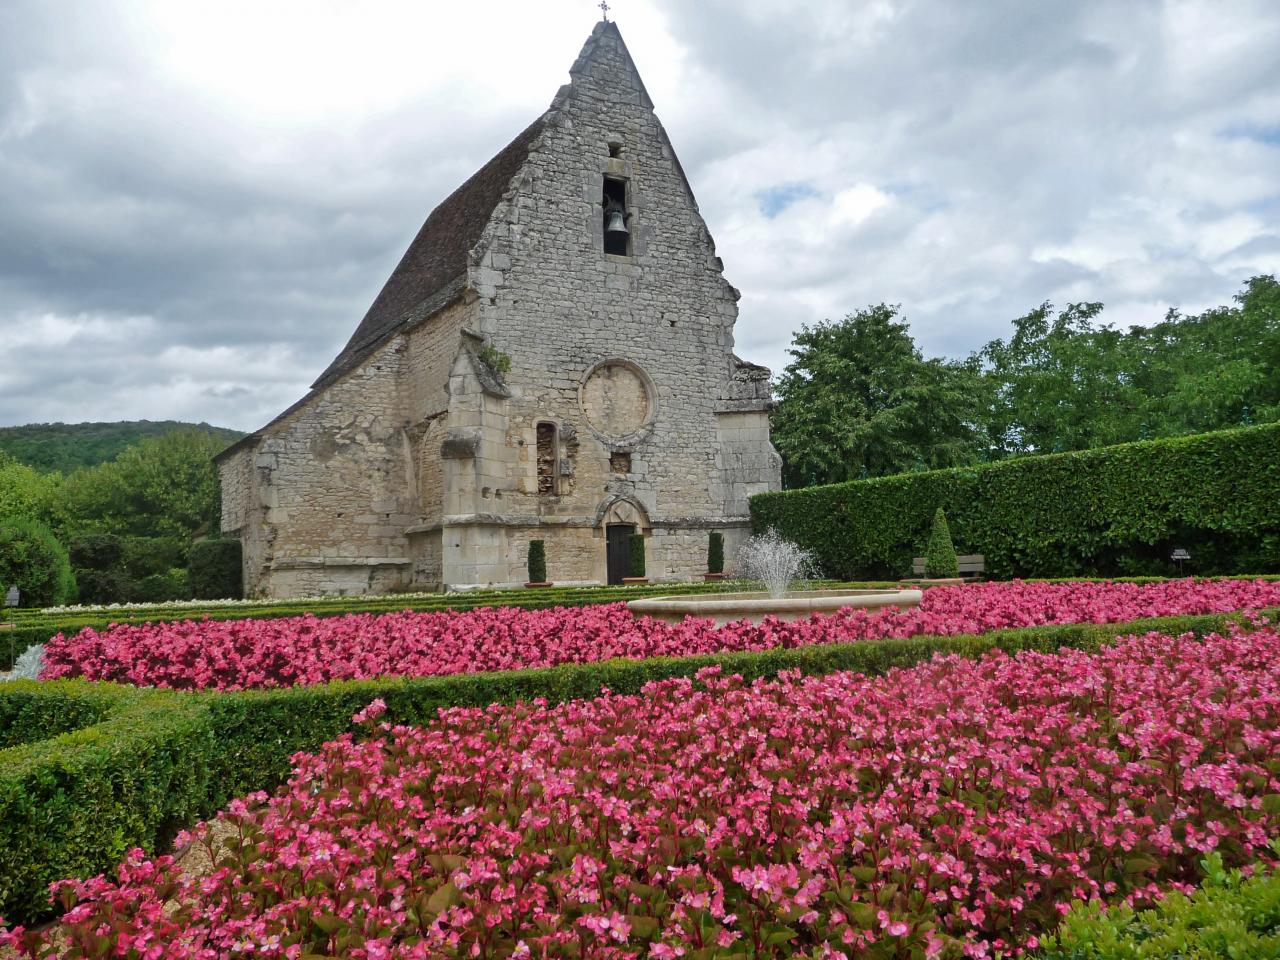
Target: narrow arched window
point(548, 458)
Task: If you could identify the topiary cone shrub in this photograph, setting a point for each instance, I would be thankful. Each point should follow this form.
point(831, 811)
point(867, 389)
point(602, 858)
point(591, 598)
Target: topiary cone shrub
point(940, 558)
point(635, 557)
point(715, 554)
point(33, 560)
point(537, 562)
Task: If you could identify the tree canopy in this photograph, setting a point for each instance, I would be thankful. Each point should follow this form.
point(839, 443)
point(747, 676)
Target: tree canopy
point(64, 447)
point(860, 400)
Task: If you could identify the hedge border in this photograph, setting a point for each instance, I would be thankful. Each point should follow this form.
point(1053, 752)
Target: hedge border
point(1101, 511)
point(74, 803)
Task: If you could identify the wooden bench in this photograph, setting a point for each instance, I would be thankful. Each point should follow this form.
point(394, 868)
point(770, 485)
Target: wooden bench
point(972, 566)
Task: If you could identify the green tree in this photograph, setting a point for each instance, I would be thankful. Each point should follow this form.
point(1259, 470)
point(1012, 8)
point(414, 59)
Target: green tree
point(1065, 380)
point(161, 487)
point(25, 492)
point(32, 559)
point(859, 400)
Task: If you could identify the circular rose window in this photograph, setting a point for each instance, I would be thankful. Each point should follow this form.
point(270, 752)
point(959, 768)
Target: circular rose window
point(615, 399)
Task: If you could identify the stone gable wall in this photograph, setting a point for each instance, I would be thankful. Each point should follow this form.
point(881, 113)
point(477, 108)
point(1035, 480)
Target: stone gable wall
point(559, 306)
point(420, 468)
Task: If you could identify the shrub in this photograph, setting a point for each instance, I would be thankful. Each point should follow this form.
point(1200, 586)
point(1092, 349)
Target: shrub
point(537, 561)
point(1229, 916)
point(635, 555)
point(103, 586)
point(32, 559)
point(1113, 511)
point(153, 556)
point(162, 587)
point(73, 803)
point(215, 570)
point(940, 557)
point(96, 551)
point(715, 553)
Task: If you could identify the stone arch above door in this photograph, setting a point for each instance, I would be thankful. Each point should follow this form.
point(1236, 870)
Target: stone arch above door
point(622, 509)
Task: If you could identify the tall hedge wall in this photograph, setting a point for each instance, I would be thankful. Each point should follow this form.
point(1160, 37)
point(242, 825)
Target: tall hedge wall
point(1113, 511)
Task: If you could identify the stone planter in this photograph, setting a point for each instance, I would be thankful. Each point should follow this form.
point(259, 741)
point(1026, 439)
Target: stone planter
point(936, 582)
point(633, 581)
point(544, 583)
point(800, 605)
point(713, 577)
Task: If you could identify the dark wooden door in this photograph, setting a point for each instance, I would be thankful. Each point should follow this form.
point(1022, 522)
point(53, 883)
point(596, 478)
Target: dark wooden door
point(618, 546)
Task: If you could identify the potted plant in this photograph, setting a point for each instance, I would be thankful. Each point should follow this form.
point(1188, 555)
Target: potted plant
point(635, 560)
point(715, 557)
point(537, 564)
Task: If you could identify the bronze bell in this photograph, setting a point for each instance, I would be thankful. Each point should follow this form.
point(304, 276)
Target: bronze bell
point(615, 221)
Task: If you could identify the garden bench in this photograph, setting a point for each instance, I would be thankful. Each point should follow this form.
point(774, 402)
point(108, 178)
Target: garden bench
point(972, 566)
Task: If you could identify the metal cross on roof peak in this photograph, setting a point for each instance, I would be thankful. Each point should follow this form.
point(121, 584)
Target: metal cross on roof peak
point(604, 10)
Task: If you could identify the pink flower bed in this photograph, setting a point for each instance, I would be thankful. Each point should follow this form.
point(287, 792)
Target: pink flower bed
point(953, 808)
point(239, 654)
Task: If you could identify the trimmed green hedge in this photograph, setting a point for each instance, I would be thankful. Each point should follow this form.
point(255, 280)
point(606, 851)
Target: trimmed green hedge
point(1230, 916)
point(72, 804)
point(1110, 511)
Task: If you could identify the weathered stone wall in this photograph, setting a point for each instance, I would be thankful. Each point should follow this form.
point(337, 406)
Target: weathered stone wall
point(420, 467)
point(333, 481)
point(561, 308)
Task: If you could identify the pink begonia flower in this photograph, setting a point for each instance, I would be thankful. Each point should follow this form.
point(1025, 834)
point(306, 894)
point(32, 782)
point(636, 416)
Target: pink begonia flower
point(374, 710)
point(956, 806)
point(292, 651)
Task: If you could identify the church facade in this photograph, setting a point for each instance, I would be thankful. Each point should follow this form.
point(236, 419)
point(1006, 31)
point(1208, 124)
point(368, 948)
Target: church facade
point(551, 360)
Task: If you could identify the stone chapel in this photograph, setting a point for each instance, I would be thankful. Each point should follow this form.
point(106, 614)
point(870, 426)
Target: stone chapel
point(552, 359)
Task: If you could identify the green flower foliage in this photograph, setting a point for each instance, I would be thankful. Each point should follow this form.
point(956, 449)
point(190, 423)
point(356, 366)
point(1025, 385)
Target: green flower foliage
point(940, 557)
point(32, 559)
point(1230, 916)
point(1112, 511)
point(537, 561)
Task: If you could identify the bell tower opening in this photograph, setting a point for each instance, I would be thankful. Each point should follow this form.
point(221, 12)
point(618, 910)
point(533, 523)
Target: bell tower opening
point(617, 236)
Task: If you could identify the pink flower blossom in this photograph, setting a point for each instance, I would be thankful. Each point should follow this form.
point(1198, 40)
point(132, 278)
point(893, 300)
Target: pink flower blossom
point(951, 808)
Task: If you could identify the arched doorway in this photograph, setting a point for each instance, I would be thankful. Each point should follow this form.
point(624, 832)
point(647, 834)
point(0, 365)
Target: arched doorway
point(619, 517)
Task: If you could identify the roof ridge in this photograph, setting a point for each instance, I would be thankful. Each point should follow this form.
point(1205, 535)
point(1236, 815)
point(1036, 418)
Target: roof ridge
point(438, 255)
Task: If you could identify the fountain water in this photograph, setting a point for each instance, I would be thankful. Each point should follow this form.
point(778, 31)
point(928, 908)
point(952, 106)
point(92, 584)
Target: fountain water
point(778, 563)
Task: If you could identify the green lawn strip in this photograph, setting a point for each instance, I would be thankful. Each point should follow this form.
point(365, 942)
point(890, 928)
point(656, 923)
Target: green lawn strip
point(151, 761)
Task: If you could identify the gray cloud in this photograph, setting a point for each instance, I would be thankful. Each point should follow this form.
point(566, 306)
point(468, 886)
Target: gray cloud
point(193, 225)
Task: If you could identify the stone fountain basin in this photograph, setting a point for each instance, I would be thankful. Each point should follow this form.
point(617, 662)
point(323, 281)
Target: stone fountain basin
point(798, 605)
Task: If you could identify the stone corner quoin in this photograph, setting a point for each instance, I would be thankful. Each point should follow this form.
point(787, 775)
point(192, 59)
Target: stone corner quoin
point(525, 374)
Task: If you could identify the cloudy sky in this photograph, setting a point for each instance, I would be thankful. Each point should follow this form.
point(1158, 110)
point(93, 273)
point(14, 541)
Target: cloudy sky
point(198, 201)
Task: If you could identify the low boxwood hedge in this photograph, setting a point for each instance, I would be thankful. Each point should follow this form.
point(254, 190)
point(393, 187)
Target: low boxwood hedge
point(73, 804)
point(156, 760)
